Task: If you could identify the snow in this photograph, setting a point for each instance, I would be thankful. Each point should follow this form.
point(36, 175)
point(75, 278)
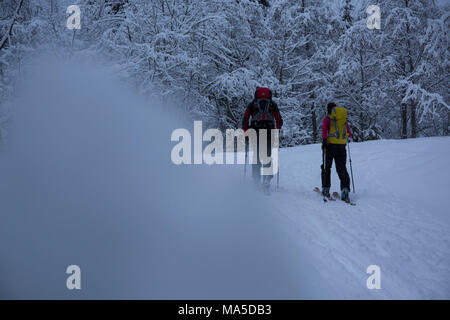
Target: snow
point(87, 179)
point(401, 222)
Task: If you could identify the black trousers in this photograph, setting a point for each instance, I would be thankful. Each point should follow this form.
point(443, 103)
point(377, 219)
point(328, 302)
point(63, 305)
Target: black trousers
point(339, 154)
point(256, 168)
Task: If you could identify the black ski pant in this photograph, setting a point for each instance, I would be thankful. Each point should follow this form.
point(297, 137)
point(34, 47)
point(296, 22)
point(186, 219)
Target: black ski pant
point(339, 154)
point(256, 168)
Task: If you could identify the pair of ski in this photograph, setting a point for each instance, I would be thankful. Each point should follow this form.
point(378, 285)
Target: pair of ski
point(335, 197)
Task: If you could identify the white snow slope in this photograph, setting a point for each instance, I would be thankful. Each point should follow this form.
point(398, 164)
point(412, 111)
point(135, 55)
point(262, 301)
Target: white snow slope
point(401, 222)
point(86, 179)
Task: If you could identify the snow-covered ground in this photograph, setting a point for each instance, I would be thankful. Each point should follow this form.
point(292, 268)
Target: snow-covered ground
point(87, 180)
point(401, 222)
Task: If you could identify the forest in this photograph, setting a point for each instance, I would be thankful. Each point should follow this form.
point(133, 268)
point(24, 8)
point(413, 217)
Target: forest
point(206, 57)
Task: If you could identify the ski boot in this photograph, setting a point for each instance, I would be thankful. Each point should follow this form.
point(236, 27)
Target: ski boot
point(326, 193)
point(257, 185)
point(345, 195)
point(266, 187)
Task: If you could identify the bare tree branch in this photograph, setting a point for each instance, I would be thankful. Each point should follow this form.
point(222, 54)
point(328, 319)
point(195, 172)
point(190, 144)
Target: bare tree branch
point(4, 41)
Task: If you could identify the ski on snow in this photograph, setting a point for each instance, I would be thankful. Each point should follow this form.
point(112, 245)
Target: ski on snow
point(325, 199)
point(335, 197)
point(338, 197)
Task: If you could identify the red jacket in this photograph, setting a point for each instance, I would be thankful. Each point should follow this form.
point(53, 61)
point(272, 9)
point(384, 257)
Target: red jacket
point(251, 111)
point(326, 128)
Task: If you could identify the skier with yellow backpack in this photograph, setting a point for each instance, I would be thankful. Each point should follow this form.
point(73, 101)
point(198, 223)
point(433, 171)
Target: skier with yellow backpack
point(335, 133)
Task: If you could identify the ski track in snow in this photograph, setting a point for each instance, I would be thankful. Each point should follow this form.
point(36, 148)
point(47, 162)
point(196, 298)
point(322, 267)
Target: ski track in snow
point(401, 222)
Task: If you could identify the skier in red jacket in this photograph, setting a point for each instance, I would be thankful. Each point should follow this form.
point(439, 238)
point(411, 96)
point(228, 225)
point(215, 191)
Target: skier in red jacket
point(262, 113)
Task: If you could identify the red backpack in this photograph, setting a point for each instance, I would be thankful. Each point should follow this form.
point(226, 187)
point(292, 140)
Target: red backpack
point(262, 116)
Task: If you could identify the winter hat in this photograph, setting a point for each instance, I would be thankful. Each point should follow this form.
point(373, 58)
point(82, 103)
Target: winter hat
point(263, 93)
point(330, 107)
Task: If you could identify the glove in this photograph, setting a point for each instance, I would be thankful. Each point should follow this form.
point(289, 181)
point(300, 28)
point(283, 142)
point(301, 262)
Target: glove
point(324, 144)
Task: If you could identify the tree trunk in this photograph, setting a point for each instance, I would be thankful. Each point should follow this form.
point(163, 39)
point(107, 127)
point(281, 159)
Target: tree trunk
point(447, 128)
point(314, 124)
point(404, 122)
point(413, 121)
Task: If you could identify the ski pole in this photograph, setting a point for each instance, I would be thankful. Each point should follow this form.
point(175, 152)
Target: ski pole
point(278, 155)
point(278, 176)
point(351, 169)
point(323, 158)
point(246, 155)
point(323, 162)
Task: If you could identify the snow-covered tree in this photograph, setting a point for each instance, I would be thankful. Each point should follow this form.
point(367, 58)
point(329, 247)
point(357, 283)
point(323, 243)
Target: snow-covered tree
point(207, 57)
point(416, 33)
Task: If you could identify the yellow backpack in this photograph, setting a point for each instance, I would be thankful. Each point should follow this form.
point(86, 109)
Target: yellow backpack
point(338, 126)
